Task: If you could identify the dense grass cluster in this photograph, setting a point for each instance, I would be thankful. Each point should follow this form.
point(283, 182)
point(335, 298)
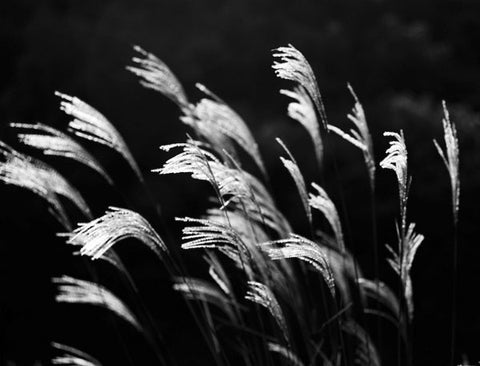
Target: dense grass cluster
point(268, 295)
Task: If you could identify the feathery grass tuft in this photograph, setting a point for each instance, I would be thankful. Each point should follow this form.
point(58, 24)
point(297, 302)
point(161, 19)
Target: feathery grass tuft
point(236, 188)
point(396, 160)
point(219, 119)
point(250, 231)
point(296, 246)
point(32, 174)
point(90, 124)
point(451, 158)
point(360, 137)
point(208, 234)
point(291, 64)
point(55, 143)
point(155, 74)
point(76, 291)
point(98, 236)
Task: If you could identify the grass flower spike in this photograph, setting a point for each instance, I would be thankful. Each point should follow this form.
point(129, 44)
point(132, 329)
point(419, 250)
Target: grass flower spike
point(306, 250)
point(75, 291)
point(155, 74)
point(235, 187)
point(55, 143)
point(396, 160)
point(208, 234)
point(291, 64)
point(450, 158)
point(98, 236)
point(32, 174)
point(90, 124)
point(218, 118)
point(360, 137)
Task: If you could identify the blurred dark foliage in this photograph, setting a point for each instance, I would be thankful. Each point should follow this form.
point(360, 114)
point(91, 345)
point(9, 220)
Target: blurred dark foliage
point(402, 58)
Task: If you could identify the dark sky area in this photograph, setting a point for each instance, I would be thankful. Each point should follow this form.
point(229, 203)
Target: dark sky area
point(402, 58)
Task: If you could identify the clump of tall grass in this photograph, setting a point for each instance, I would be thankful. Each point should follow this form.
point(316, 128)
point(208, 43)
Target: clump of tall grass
point(288, 298)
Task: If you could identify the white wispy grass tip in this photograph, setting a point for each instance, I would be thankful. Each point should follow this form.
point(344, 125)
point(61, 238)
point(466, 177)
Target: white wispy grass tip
point(234, 186)
point(217, 117)
point(156, 75)
point(56, 143)
point(209, 234)
point(359, 137)
point(451, 158)
point(296, 246)
point(32, 174)
point(76, 291)
point(90, 124)
point(98, 236)
point(396, 160)
point(291, 64)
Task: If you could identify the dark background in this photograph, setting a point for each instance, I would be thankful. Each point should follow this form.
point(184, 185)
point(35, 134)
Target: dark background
point(402, 58)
